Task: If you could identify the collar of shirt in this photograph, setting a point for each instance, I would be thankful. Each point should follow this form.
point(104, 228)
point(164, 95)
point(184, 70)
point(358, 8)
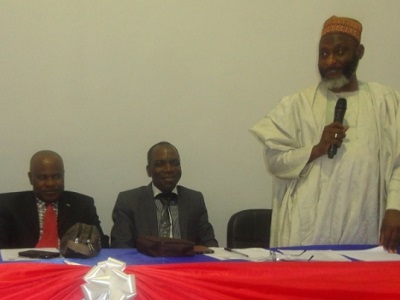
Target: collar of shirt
point(42, 204)
point(156, 191)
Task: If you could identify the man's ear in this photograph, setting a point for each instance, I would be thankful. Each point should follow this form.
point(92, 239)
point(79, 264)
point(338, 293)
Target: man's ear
point(30, 178)
point(360, 51)
point(148, 171)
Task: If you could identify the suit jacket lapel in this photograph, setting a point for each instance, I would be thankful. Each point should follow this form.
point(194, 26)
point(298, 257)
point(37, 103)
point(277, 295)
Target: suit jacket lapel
point(183, 207)
point(150, 210)
point(63, 210)
point(29, 213)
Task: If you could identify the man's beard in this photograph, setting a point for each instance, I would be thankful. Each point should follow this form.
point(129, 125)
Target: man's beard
point(334, 84)
point(337, 83)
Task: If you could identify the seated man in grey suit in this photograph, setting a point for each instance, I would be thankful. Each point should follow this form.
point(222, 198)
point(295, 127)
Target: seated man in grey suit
point(22, 214)
point(139, 211)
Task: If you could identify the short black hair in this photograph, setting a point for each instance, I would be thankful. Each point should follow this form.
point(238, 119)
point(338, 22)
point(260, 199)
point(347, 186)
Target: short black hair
point(163, 143)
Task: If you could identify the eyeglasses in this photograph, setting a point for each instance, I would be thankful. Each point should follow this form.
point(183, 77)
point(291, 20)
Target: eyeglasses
point(278, 256)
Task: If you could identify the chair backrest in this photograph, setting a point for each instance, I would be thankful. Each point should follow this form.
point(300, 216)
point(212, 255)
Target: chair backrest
point(249, 228)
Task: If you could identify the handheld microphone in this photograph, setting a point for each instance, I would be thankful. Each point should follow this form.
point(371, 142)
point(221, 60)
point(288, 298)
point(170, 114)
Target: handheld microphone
point(340, 110)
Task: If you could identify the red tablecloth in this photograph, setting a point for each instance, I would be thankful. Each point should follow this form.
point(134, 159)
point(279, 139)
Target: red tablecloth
point(230, 280)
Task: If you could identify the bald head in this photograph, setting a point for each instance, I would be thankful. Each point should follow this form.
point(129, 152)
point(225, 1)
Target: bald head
point(46, 175)
point(45, 156)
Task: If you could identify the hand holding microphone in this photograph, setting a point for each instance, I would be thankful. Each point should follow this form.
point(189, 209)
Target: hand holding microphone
point(340, 110)
point(333, 134)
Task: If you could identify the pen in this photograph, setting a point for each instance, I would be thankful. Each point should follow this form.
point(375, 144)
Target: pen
point(234, 251)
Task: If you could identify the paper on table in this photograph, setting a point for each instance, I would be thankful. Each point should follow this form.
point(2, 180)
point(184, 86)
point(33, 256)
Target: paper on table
point(12, 254)
point(261, 254)
point(251, 254)
point(312, 255)
point(373, 254)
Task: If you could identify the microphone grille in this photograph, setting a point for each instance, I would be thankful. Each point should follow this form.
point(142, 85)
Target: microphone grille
point(341, 103)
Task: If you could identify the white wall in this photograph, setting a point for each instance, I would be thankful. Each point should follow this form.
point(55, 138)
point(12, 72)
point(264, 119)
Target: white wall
point(101, 81)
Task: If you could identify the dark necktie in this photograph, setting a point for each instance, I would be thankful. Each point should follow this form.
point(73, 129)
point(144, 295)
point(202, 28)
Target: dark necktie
point(49, 237)
point(164, 227)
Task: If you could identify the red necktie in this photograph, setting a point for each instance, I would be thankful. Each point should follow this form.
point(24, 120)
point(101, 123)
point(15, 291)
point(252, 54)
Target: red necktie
point(50, 232)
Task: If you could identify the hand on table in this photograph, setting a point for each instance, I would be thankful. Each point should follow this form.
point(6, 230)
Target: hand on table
point(390, 230)
point(198, 249)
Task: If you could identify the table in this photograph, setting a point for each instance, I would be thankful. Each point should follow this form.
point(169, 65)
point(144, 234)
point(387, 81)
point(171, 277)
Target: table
point(199, 277)
point(129, 256)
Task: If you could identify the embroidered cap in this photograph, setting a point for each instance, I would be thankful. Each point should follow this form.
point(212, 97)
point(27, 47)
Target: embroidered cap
point(343, 25)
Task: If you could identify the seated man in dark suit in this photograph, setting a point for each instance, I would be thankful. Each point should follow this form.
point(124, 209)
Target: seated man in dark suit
point(140, 211)
point(22, 214)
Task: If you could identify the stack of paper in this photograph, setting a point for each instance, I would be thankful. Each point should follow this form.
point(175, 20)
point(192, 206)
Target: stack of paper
point(251, 254)
point(261, 254)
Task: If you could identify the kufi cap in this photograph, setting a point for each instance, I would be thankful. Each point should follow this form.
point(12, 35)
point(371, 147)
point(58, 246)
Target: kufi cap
point(343, 25)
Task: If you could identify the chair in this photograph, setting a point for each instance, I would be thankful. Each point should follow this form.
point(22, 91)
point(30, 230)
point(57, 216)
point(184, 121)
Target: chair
point(249, 228)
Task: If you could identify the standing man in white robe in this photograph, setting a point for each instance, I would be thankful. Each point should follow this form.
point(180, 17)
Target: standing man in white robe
point(354, 197)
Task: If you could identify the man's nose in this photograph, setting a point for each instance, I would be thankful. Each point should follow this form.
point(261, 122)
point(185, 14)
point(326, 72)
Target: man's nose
point(331, 60)
point(50, 181)
point(169, 167)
